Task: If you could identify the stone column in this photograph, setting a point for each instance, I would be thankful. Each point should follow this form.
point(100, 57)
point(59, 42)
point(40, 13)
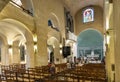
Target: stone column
point(9, 57)
point(116, 15)
point(57, 56)
point(4, 55)
point(108, 68)
point(16, 52)
point(112, 56)
point(30, 59)
point(9, 54)
point(42, 55)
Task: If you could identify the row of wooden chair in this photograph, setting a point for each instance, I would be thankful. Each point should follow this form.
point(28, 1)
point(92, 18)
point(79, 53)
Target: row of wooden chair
point(18, 73)
point(90, 72)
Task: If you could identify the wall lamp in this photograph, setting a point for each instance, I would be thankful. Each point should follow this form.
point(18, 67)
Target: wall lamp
point(35, 37)
point(35, 42)
point(108, 33)
point(10, 49)
point(60, 48)
point(9, 46)
point(35, 47)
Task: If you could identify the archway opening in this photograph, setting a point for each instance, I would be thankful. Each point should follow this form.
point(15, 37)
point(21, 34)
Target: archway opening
point(13, 38)
point(90, 46)
point(50, 53)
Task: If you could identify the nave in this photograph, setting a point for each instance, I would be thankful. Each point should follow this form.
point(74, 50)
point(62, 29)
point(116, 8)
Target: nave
point(33, 29)
point(92, 72)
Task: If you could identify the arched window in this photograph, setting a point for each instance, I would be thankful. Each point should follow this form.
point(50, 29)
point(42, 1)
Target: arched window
point(88, 15)
point(50, 23)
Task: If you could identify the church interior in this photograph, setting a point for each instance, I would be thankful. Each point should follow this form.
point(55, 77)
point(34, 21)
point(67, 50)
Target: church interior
point(59, 41)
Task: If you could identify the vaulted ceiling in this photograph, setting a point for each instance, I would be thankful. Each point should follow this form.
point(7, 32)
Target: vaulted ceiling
point(75, 5)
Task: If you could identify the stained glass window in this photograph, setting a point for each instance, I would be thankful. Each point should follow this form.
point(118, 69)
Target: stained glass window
point(88, 15)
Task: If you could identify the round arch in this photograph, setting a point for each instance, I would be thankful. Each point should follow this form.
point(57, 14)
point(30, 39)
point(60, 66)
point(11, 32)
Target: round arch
point(54, 38)
point(90, 44)
point(53, 50)
point(54, 21)
point(3, 49)
point(17, 34)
